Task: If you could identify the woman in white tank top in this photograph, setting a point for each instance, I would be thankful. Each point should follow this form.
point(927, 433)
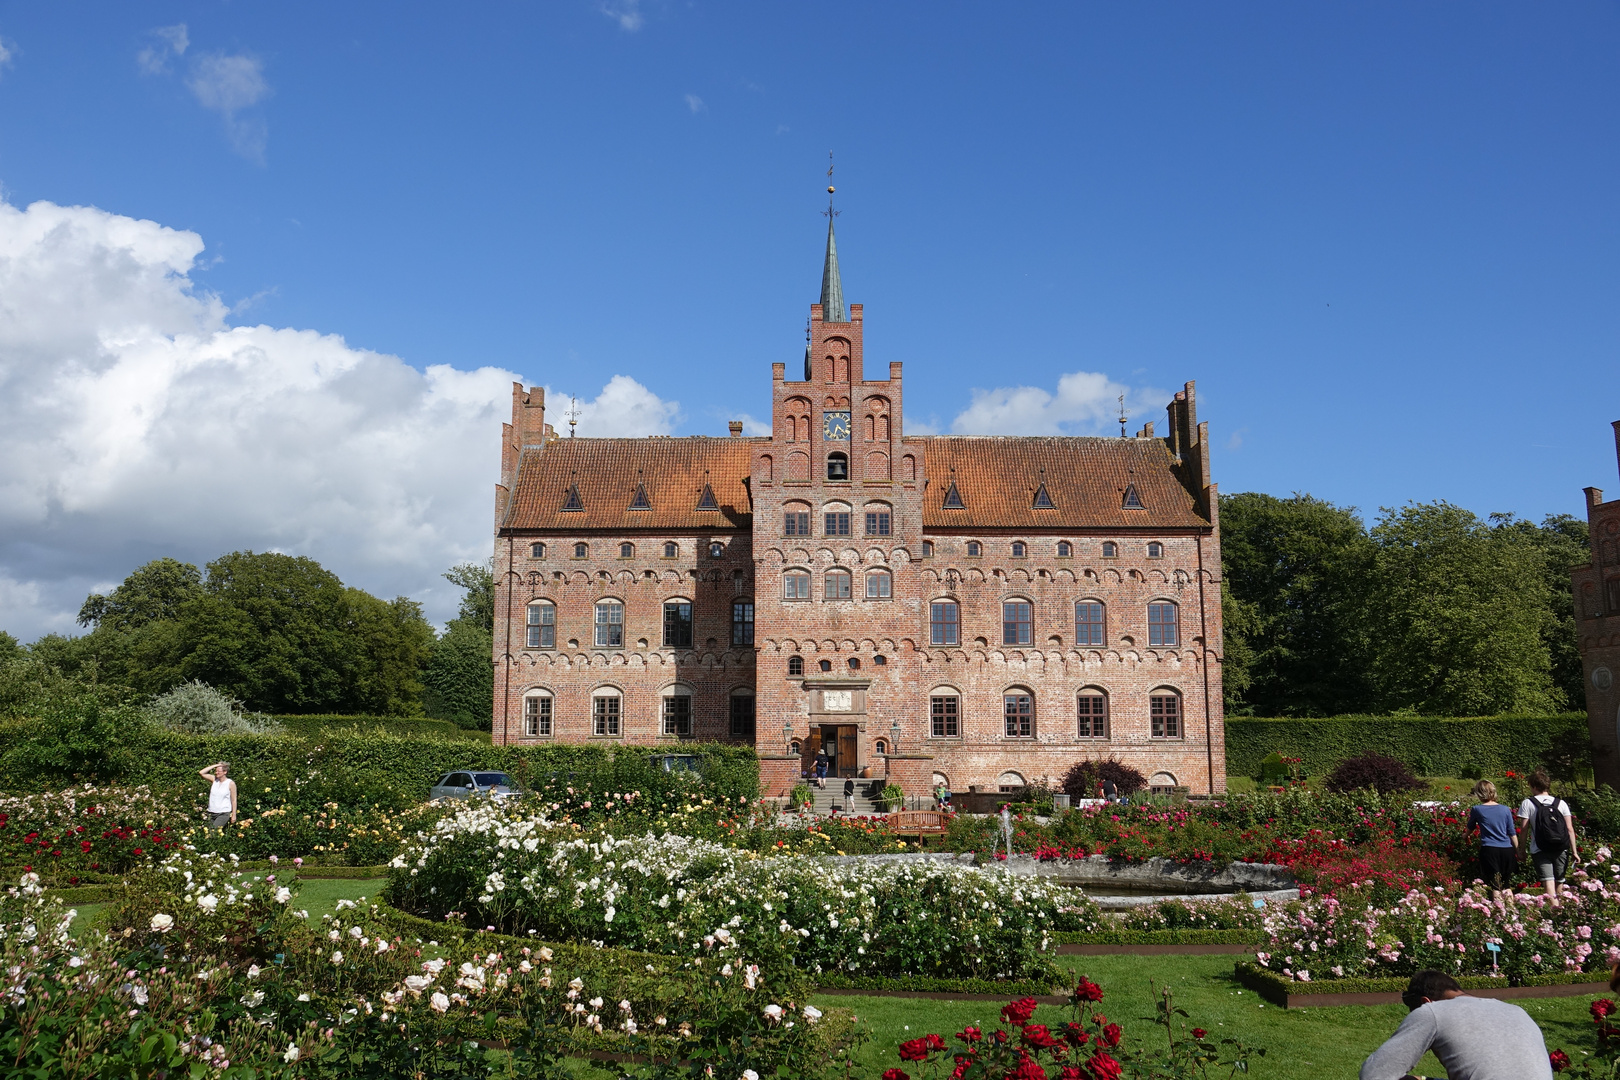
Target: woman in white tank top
point(221, 795)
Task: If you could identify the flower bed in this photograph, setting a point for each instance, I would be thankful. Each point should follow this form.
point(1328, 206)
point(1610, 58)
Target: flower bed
point(86, 832)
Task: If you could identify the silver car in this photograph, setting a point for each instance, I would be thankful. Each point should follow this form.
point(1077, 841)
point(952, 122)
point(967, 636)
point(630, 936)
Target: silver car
point(470, 782)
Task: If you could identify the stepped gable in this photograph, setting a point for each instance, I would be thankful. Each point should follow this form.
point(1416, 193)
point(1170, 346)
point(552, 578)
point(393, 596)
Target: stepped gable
point(1085, 476)
point(607, 472)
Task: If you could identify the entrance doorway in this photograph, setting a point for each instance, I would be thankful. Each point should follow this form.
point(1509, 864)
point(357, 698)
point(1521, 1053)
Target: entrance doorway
point(838, 742)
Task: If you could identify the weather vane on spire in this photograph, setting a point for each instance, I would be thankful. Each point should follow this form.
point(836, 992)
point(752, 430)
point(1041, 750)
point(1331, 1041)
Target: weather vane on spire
point(573, 415)
point(1122, 416)
point(830, 212)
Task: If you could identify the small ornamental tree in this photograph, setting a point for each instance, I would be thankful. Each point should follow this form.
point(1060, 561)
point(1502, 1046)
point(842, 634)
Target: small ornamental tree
point(1375, 772)
point(1081, 781)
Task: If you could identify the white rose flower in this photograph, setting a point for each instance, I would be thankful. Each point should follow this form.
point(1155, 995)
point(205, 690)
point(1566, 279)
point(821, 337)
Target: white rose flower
point(773, 1013)
point(545, 954)
point(292, 1053)
point(811, 1013)
point(337, 956)
point(439, 1002)
point(139, 993)
point(382, 946)
point(208, 902)
point(750, 1074)
point(355, 932)
point(417, 983)
point(283, 895)
point(162, 923)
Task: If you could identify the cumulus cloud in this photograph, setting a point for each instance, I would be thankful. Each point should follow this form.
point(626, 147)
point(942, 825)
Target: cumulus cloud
point(167, 44)
point(694, 103)
point(8, 49)
point(228, 84)
point(627, 13)
point(624, 408)
point(136, 422)
point(1086, 402)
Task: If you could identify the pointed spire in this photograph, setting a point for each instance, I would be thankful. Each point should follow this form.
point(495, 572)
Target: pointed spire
point(832, 286)
point(1132, 500)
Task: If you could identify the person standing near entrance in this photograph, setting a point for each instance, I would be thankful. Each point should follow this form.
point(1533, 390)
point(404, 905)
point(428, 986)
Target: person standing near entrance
point(1545, 820)
point(221, 795)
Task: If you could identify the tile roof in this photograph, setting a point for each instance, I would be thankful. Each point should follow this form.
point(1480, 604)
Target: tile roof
point(1085, 477)
point(607, 471)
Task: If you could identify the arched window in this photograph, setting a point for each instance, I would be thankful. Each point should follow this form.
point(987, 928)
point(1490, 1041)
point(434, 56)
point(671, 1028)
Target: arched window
point(1064, 549)
point(627, 550)
point(537, 714)
point(1018, 706)
point(1155, 550)
point(975, 549)
point(1010, 782)
point(796, 747)
point(676, 709)
point(1163, 625)
point(835, 519)
point(944, 623)
point(1110, 550)
point(537, 551)
point(880, 660)
point(1017, 622)
point(837, 585)
point(609, 624)
point(928, 549)
point(1165, 714)
point(606, 712)
point(581, 550)
point(796, 585)
point(742, 713)
point(880, 747)
point(742, 622)
point(838, 465)
point(542, 625)
point(677, 624)
point(716, 549)
point(945, 713)
point(879, 585)
point(1092, 711)
point(795, 665)
point(825, 665)
point(671, 549)
point(1090, 623)
point(1019, 549)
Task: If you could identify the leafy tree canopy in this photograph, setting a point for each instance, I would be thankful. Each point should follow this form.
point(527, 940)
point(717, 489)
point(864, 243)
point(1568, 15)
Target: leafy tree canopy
point(478, 602)
point(156, 591)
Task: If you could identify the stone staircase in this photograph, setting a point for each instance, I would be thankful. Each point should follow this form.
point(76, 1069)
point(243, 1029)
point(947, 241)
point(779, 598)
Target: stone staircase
point(863, 801)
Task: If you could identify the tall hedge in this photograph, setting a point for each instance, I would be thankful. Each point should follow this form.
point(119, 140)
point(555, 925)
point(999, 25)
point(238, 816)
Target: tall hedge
point(1432, 746)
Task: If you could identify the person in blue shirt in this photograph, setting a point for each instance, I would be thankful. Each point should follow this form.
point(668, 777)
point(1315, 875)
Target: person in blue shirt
point(1498, 836)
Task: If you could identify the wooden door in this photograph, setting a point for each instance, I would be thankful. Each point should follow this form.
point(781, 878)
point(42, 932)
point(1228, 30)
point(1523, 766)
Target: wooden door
point(846, 751)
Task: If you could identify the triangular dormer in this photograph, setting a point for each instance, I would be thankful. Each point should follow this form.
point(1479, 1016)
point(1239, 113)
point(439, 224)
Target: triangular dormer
point(953, 498)
point(640, 501)
point(706, 500)
point(1043, 501)
point(572, 502)
point(1132, 500)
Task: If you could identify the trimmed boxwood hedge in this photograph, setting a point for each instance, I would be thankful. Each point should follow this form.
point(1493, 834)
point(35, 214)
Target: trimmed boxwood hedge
point(1275, 987)
point(1159, 937)
point(918, 984)
point(317, 723)
point(1432, 746)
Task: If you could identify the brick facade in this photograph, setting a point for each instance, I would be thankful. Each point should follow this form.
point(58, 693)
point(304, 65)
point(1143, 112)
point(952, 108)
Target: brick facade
point(1597, 628)
point(1039, 523)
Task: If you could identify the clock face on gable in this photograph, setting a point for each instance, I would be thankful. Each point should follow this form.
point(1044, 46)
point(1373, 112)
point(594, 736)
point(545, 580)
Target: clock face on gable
point(835, 426)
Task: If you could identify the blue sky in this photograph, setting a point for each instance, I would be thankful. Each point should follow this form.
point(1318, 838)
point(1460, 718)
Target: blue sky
point(1381, 237)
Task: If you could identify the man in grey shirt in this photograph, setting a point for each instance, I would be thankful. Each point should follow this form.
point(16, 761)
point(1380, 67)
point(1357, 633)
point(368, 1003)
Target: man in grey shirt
point(1474, 1038)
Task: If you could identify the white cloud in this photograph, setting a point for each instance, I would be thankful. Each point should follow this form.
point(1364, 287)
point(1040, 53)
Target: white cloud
point(1085, 402)
point(136, 422)
point(8, 49)
point(694, 103)
point(627, 13)
point(169, 42)
point(752, 426)
point(228, 84)
point(623, 408)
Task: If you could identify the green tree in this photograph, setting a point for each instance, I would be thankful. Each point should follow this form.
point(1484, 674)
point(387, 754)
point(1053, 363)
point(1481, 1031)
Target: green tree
point(1457, 614)
point(478, 601)
point(391, 645)
point(154, 592)
point(1561, 542)
point(1295, 570)
point(10, 649)
point(460, 678)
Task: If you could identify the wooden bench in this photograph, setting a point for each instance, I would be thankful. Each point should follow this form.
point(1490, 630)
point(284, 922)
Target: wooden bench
point(918, 823)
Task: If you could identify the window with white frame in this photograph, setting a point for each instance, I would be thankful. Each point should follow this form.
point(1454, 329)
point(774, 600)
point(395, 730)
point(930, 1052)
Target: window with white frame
point(1091, 709)
point(609, 624)
point(627, 550)
point(537, 714)
point(606, 713)
point(581, 550)
point(1064, 549)
point(537, 551)
point(541, 628)
point(677, 711)
point(879, 585)
point(671, 549)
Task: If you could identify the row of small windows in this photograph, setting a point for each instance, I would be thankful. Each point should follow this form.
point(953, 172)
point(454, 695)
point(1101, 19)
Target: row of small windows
point(607, 713)
point(796, 664)
point(837, 584)
point(1065, 550)
point(627, 550)
point(1018, 623)
point(1091, 715)
point(609, 624)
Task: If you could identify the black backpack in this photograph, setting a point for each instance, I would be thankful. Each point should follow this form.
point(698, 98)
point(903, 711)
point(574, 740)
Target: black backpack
point(1549, 830)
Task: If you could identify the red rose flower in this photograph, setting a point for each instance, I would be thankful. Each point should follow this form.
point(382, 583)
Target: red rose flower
point(934, 1042)
point(1109, 1035)
point(1086, 990)
point(1001, 1036)
point(914, 1050)
point(1558, 1060)
point(1071, 1072)
point(970, 1034)
point(1103, 1067)
point(1038, 1036)
point(896, 1074)
point(1199, 1033)
point(1075, 1035)
point(1028, 1069)
point(962, 1064)
point(1602, 1007)
point(1017, 1013)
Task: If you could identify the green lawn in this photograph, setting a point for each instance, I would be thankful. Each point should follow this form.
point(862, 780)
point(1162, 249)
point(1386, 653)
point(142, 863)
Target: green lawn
point(320, 895)
point(1322, 1042)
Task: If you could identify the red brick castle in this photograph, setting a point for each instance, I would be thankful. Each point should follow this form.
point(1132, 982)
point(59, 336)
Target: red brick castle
point(983, 610)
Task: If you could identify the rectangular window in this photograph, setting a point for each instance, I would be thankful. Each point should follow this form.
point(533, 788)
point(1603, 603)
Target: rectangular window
point(742, 715)
point(677, 625)
point(1017, 623)
point(678, 714)
point(542, 628)
point(877, 523)
point(943, 628)
point(1162, 628)
point(605, 715)
point(1166, 716)
point(946, 715)
point(536, 716)
point(795, 586)
point(1020, 711)
point(837, 524)
point(879, 586)
point(610, 626)
point(1088, 623)
point(837, 585)
point(796, 523)
point(742, 622)
point(1093, 716)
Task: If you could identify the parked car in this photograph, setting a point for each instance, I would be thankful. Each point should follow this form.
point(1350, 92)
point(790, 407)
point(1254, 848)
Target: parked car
point(466, 783)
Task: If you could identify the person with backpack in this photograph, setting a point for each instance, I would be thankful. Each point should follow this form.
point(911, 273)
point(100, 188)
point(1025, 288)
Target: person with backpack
point(1546, 821)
